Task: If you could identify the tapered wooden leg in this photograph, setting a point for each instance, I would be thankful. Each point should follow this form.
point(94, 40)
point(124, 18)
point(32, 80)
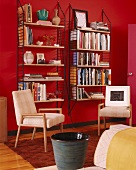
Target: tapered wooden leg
point(130, 119)
point(17, 137)
point(34, 130)
point(104, 120)
point(61, 127)
point(45, 139)
point(98, 125)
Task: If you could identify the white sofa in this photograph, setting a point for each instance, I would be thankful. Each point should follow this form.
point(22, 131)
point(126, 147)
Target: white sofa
point(101, 149)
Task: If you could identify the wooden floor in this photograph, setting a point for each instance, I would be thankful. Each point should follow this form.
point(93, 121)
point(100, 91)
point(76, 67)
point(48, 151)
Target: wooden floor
point(9, 160)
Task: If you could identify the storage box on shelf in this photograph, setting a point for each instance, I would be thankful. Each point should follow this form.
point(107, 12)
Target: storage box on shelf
point(41, 50)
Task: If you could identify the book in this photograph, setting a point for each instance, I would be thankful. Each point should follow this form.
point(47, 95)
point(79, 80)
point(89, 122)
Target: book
point(41, 22)
point(53, 78)
point(103, 63)
point(29, 13)
point(55, 62)
point(52, 74)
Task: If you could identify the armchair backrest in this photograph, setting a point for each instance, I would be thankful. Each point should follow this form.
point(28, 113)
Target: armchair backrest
point(117, 96)
point(23, 103)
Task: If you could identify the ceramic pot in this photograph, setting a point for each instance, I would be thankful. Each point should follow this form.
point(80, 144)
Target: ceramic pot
point(70, 150)
point(56, 19)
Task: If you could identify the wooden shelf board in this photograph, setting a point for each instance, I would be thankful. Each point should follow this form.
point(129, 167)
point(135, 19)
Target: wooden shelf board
point(35, 24)
point(91, 50)
point(38, 80)
point(46, 65)
point(91, 30)
point(90, 85)
point(51, 100)
point(43, 46)
point(90, 66)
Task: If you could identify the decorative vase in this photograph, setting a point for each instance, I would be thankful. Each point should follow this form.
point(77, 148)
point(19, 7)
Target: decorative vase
point(42, 14)
point(28, 57)
point(56, 19)
point(70, 150)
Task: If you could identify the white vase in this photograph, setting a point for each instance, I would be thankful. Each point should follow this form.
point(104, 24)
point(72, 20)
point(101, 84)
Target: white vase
point(28, 57)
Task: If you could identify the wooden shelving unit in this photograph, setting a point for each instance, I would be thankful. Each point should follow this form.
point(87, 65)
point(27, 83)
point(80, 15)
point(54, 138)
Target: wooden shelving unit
point(87, 73)
point(56, 52)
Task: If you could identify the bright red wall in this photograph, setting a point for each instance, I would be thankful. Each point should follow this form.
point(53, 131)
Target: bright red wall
point(120, 13)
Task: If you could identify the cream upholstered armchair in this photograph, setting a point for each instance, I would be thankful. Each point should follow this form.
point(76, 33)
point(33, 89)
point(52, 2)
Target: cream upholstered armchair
point(27, 115)
point(117, 104)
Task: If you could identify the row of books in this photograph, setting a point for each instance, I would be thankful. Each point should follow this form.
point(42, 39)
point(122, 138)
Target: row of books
point(25, 35)
point(81, 93)
point(92, 59)
point(38, 90)
point(90, 76)
point(89, 40)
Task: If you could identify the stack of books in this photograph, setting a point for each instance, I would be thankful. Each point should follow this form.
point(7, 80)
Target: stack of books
point(33, 77)
point(99, 26)
point(54, 61)
point(96, 95)
point(41, 22)
point(53, 76)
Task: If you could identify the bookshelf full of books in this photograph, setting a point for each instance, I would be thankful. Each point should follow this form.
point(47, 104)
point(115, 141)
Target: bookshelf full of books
point(89, 58)
point(41, 53)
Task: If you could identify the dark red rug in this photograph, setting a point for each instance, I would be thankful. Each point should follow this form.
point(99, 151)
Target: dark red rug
point(33, 151)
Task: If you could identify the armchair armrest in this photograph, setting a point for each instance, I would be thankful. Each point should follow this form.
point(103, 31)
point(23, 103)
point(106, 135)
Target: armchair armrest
point(32, 115)
point(50, 109)
point(100, 106)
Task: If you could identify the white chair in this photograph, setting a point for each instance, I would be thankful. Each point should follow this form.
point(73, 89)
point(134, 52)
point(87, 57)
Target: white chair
point(27, 115)
point(117, 104)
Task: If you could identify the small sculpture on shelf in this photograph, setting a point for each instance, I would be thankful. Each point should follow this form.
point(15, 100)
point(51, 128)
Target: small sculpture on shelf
point(48, 39)
point(42, 14)
point(56, 19)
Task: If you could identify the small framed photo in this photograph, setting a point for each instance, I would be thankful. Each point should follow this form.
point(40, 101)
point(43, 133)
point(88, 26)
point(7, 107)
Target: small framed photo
point(40, 58)
point(117, 96)
point(80, 18)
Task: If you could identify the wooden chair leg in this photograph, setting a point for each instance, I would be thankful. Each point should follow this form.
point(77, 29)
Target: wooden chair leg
point(34, 130)
point(61, 127)
point(17, 137)
point(99, 126)
point(130, 119)
point(104, 120)
point(45, 139)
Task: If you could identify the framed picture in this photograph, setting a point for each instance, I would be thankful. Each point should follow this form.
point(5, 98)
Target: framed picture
point(117, 96)
point(40, 58)
point(80, 18)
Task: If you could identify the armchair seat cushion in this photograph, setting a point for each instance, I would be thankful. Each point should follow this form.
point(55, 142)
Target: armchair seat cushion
point(115, 111)
point(52, 119)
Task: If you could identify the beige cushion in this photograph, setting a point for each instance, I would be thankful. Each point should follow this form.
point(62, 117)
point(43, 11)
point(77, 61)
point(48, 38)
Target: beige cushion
point(115, 111)
point(103, 144)
point(52, 119)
